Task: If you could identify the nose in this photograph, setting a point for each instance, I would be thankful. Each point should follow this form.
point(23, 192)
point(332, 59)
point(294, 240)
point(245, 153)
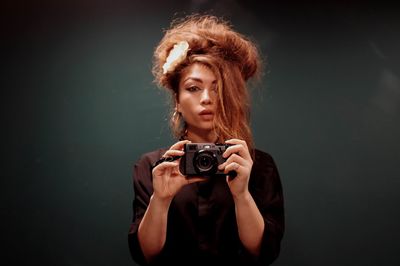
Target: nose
point(205, 97)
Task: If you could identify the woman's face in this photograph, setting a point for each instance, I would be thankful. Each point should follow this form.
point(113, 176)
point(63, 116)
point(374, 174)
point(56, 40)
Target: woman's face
point(197, 97)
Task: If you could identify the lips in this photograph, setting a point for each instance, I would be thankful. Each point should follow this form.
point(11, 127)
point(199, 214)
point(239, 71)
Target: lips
point(206, 114)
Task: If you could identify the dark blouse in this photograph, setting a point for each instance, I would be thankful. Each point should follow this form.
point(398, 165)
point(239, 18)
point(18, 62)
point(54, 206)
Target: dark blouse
point(201, 225)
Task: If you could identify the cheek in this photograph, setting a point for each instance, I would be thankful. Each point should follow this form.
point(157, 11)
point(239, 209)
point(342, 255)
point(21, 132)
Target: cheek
point(184, 108)
point(185, 104)
point(179, 104)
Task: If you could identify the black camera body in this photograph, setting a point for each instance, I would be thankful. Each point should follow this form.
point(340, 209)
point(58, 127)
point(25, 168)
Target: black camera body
point(202, 159)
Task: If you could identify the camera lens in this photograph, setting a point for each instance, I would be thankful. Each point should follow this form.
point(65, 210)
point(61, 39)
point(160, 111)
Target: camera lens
point(205, 162)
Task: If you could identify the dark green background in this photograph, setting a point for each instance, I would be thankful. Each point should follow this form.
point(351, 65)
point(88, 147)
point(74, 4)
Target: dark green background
point(78, 107)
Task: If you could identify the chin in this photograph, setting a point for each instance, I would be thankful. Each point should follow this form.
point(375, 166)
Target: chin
point(204, 128)
point(202, 125)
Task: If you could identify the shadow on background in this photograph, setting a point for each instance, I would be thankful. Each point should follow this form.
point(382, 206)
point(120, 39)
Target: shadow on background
point(79, 107)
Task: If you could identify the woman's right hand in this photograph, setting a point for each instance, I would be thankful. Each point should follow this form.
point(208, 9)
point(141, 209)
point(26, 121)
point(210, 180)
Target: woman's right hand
point(167, 179)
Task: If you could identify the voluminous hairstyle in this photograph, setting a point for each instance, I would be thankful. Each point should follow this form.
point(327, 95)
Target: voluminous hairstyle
point(232, 57)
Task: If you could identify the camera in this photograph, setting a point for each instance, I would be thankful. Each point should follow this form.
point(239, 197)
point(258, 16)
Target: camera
point(202, 159)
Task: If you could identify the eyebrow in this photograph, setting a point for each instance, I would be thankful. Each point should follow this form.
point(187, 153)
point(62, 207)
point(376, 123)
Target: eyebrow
point(197, 79)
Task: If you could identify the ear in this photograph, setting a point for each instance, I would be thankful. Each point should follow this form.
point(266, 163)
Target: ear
point(177, 105)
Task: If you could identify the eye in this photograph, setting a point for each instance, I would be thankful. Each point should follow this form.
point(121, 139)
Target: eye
point(193, 89)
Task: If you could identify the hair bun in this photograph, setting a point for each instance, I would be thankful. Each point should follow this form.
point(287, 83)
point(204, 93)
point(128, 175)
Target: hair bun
point(212, 36)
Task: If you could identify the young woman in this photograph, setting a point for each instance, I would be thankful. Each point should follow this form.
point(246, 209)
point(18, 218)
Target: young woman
point(194, 220)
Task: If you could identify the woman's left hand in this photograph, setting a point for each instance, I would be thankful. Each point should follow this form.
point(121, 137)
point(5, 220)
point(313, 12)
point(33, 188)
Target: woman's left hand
point(239, 160)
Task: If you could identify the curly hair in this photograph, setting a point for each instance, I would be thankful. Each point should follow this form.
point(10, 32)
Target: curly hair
point(232, 57)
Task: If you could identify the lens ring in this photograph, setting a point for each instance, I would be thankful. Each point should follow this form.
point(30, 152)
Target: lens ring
point(205, 162)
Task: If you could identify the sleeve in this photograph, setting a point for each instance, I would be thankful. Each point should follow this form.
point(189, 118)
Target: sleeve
point(266, 188)
point(143, 189)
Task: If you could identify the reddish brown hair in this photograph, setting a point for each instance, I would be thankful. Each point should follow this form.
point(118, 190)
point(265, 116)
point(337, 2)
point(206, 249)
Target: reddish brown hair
point(232, 57)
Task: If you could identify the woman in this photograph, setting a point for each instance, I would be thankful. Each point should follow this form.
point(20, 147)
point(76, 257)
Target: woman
point(186, 220)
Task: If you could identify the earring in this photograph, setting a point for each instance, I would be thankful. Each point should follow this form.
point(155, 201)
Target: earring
point(175, 115)
point(184, 132)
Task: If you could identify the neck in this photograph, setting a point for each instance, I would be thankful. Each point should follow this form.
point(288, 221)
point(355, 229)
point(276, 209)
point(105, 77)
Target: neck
point(201, 136)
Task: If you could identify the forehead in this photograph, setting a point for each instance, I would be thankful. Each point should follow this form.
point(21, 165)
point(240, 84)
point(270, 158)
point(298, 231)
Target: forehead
point(199, 72)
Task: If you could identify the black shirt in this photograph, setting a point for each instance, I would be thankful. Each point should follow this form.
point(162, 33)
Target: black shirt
point(201, 225)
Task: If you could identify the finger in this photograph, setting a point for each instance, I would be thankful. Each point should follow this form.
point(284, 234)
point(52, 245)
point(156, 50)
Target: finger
point(196, 179)
point(221, 166)
point(233, 158)
point(236, 158)
point(179, 145)
point(236, 141)
point(238, 149)
point(230, 176)
point(171, 153)
point(165, 166)
point(232, 167)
